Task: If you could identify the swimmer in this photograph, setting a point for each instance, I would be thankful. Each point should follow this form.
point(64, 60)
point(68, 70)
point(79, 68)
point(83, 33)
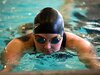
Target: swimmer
point(48, 36)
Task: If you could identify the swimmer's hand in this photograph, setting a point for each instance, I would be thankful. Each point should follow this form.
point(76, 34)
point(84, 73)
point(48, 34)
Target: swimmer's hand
point(6, 69)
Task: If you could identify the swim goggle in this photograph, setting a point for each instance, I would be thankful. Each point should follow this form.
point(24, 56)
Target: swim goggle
point(43, 40)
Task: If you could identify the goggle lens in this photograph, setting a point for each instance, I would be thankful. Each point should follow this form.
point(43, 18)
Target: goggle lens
point(55, 40)
point(42, 40)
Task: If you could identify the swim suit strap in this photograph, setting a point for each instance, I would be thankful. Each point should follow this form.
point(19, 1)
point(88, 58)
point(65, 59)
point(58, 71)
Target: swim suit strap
point(64, 41)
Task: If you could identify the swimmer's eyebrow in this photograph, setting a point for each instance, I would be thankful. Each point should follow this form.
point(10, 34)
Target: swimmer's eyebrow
point(24, 38)
point(39, 36)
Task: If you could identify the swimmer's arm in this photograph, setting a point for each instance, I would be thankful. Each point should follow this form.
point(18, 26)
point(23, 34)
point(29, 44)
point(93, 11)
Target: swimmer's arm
point(87, 54)
point(12, 54)
point(14, 51)
point(85, 50)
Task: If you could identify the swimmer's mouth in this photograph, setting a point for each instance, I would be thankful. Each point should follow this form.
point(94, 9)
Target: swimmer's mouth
point(48, 51)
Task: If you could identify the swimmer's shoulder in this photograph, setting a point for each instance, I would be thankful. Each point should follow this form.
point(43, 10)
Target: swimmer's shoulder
point(72, 39)
point(26, 38)
point(71, 36)
point(26, 41)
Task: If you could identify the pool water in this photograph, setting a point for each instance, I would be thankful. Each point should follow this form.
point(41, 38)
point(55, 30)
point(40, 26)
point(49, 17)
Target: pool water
point(15, 13)
point(55, 61)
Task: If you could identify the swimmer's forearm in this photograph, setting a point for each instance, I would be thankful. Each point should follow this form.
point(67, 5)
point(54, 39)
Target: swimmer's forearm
point(12, 54)
point(91, 62)
point(94, 65)
point(87, 54)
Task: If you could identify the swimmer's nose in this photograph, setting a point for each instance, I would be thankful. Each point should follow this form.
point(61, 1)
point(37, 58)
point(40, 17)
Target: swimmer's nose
point(47, 45)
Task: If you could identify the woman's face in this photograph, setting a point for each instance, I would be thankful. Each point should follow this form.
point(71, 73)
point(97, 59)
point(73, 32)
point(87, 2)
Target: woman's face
point(48, 43)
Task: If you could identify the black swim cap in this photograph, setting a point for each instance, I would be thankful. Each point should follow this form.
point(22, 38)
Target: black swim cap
point(49, 20)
